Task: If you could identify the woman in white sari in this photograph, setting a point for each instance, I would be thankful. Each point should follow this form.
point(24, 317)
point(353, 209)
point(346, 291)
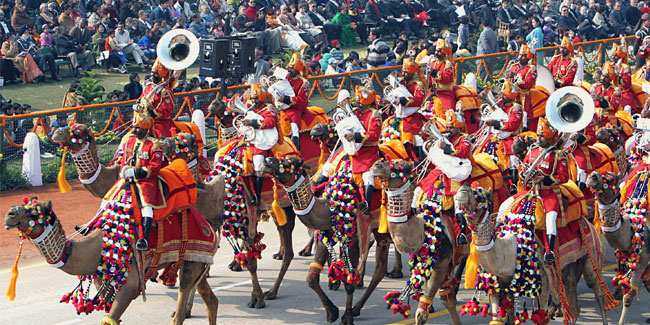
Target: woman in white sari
point(305, 23)
point(290, 38)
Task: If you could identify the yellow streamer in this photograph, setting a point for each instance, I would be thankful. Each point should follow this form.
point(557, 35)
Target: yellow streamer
point(280, 216)
point(471, 266)
point(64, 186)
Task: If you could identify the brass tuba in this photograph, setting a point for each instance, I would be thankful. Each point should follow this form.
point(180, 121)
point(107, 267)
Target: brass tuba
point(177, 49)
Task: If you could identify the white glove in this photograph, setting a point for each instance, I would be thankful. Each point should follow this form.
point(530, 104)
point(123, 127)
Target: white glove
point(127, 172)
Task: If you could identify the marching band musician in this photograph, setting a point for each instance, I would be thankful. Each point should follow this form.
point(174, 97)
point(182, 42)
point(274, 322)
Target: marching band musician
point(298, 103)
point(607, 98)
point(441, 75)
point(140, 163)
point(368, 154)
point(409, 69)
point(623, 78)
point(159, 101)
point(523, 75)
point(261, 105)
point(460, 147)
point(563, 66)
point(508, 130)
point(549, 174)
point(583, 157)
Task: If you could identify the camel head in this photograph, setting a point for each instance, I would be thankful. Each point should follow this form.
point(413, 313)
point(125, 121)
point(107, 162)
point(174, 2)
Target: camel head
point(611, 137)
point(218, 109)
point(182, 146)
point(395, 172)
point(30, 217)
point(604, 186)
point(73, 137)
point(473, 202)
point(521, 145)
point(286, 170)
point(325, 133)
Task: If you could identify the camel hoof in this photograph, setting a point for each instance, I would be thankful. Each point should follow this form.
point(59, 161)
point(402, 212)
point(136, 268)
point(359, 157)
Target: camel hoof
point(332, 314)
point(305, 253)
point(334, 286)
point(360, 284)
point(188, 314)
point(356, 311)
point(348, 318)
point(270, 295)
point(618, 293)
point(395, 274)
point(277, 256)
point(256, 303)
point(235, 266)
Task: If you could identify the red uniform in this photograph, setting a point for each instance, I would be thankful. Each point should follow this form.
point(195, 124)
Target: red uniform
point(163, 108)
point(461, 149)
point(527, 76)
point(613, 97)
point(298, 103)
point(514, 124)
point(556, 168)
point(624, 82)
point(369, 151)
point(417, 90)
point(146, 157)
point(585, 158)
point(443, 82)
point(563, 69)
point(269, 121)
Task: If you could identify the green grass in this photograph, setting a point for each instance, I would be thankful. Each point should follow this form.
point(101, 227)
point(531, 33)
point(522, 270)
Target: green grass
point(47, 96)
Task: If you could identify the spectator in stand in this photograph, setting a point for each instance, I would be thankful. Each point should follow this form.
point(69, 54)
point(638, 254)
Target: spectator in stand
point(44, 17)
point(27, 44)
point(336, 51)
point(377, 50)
point(463, 32)
point(161, 12)
point(535, 39)
point(487, 41)
point(305, 23)
point(342, 18)
point(115, 52)
point(133, 88)
point(144, 23)
point(633, 13)
point(198, 27)
point(98, 40)
point(333, 31)
point(123, 41)
point(23, 62)
point(180, 23)
point(128, 9)
point(566, 21)
point(20, 16)
point(206, 14)
point(74, 51)
point(183, 7)
point(65, 18)
point(147, 46)
point(46, 36)
point(639, 37)
point(80, 33)
point(5, 28)
point(618, 21)
point(262, 65)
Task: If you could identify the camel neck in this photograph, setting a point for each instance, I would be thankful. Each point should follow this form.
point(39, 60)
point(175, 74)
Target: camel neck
point(484, 233)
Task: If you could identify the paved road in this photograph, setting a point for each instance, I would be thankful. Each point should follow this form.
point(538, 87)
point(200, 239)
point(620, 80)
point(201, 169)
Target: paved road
point(40, 288)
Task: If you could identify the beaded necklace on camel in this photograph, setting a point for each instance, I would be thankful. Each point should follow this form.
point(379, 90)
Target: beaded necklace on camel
point(392, 132)
point(235, 214)
point(425, 259)
point(526, 280)
point(635, 208)
point(341, 191)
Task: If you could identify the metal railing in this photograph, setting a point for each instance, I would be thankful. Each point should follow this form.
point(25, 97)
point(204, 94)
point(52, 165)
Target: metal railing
point(102, 116)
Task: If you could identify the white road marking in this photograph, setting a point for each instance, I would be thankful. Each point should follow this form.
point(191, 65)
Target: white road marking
point(233, 285)
point(72, 321)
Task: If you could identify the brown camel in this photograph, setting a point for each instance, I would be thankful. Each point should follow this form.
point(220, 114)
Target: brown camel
point(617, 229)
point(614, 140)
point(408, 237)
point(498, 257)
point(210, 199)
point(82, 260)
point(314, 213)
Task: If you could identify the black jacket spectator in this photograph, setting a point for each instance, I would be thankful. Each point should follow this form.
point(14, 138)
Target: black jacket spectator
point(567, 23)
point(134, 89)
point(331, 9)
point(632, 15)
point(160, 13)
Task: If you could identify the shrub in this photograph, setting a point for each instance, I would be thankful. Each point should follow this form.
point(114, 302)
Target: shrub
point(13, 179)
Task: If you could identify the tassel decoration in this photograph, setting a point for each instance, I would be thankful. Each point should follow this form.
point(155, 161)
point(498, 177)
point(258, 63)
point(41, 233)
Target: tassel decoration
point(471, 267)
point(383, 214)
point(64, 186)
point(280, 215)
point(11, 291)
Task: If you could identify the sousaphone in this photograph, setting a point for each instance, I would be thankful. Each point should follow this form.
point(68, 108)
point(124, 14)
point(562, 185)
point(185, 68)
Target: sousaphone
point(177, 49)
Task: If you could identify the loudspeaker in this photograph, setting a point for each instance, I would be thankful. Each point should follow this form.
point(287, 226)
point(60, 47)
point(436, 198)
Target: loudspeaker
point(213, 57)
point(247, 55)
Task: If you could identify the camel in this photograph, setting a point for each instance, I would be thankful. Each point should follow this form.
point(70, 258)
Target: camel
point(82, 260)
point(316, 215)
point(617, 229)
point(210, 198)
point(408, 237)
point(499, 255)
point(615, 141)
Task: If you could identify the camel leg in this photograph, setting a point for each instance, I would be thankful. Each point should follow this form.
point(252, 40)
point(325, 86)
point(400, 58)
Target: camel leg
point(286, 238)
point(437, 276)
point(494, 306)
point(124, 296)
point(634, 282)
point(381, 266)
point(189, 275)
point(362, 264)
point(348, 316)
point(570, 276)
point(211, 301)
point(313, 281)
point(257, 296)
point(592, 282)
point(396, 273)
point(307, 250)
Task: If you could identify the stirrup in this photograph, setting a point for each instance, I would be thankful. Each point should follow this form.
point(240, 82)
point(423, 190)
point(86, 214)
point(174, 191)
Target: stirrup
point(364, 207)
point(142, 245)
point(254, 200)
point(549, 257)
point(461, 239)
